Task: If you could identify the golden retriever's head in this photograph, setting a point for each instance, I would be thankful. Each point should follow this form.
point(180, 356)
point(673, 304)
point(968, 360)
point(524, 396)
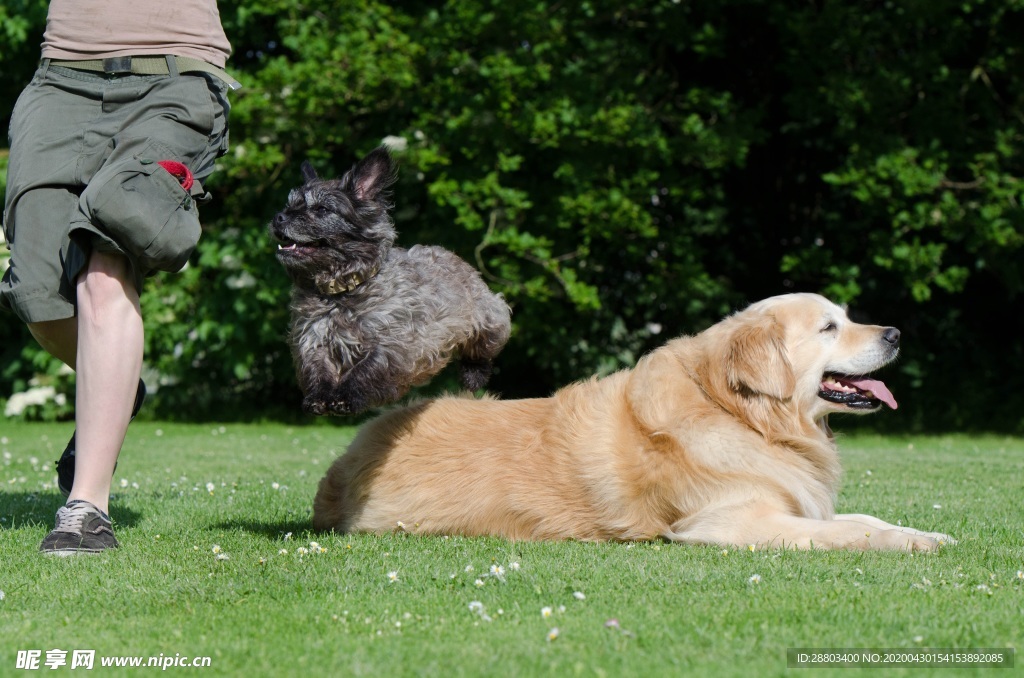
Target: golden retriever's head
point(803, 347)
point(780, 365)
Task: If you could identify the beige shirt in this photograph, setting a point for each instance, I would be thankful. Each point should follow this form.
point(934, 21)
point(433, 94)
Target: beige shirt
point(96, 29)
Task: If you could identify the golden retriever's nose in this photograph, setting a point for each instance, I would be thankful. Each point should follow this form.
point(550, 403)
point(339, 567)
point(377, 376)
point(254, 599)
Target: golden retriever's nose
point(891, 335)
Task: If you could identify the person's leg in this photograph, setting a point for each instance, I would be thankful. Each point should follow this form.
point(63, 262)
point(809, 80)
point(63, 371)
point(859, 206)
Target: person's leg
point(59, 338)
point(109, 361)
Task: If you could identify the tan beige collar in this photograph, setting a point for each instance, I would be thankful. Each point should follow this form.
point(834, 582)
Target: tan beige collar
point(346, 283)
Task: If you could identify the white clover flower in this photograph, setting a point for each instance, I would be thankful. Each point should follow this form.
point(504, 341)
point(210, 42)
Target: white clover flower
point(392, 577)
point(210, 487)
point(2, 595)
point(514, 566)
point(469, 568)
point(288, 536)
point(275, 486)
point(755, 579)
point(478, 583)
point(545, 612)
point(282, 552)
point(477, 607)
point(579, 595)
point(223, 556)
point(124, 482)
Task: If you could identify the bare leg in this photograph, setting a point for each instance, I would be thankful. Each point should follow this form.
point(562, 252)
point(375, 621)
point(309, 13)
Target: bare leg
point(109, 361)
point(59, 338)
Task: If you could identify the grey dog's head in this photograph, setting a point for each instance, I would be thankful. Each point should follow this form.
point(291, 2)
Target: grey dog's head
point(333, 228)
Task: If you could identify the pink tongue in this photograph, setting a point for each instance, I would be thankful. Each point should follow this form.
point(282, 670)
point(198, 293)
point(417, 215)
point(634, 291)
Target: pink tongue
point(877, 389)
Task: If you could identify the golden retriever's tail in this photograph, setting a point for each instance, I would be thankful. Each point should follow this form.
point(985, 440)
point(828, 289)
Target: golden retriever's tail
point(345, 489)
point(327, 507)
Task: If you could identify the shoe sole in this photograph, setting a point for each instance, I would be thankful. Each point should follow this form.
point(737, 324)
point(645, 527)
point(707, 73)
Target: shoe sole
point(67, 553)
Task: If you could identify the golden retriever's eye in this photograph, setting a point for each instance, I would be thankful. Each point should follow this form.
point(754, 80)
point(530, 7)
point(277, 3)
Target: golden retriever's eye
point(831, 327)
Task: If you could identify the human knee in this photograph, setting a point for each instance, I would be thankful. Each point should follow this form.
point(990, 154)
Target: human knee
point(105, 284)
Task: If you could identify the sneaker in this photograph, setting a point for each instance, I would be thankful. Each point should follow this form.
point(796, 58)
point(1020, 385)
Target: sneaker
point(66, 463)
point(81, 528)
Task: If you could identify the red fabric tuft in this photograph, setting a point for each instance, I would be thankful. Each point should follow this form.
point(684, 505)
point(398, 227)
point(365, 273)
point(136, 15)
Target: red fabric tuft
point(179, 172)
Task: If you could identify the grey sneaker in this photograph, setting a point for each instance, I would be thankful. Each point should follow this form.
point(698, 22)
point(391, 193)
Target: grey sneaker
point(66, 463)
point(80, 528)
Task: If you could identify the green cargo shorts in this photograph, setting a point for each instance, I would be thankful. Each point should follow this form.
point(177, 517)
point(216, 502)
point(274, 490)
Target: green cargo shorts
point(83, 177)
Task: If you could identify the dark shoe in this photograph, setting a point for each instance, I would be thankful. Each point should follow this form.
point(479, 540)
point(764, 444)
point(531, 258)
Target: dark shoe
point(66, 463)
point(80, 528)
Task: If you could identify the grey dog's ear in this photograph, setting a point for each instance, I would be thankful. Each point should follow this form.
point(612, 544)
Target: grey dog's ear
point(372, 176)
point(756, 360)
point(308, 173)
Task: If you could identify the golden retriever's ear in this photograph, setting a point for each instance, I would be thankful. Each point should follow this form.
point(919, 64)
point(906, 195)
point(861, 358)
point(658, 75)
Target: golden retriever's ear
point(656, 391)
point(756, 360)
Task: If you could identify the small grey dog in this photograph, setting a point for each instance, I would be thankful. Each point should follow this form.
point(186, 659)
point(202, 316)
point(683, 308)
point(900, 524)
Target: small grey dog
point(370, 320)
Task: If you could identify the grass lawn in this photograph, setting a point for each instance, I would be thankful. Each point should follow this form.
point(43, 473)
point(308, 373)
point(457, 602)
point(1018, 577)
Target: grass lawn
point(213, 520)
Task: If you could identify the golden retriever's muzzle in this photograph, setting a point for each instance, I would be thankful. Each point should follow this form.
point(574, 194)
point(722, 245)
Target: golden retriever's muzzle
point(859, 392)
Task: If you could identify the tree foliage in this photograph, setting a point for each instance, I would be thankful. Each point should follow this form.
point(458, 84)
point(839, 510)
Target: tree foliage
point(623, 172)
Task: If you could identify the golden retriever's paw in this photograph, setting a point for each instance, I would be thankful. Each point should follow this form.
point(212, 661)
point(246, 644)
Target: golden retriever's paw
point(920, 543)
point(943, 539)
point(903, 541)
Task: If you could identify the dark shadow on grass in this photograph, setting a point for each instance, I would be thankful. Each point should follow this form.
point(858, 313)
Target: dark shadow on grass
point(271, 530)
point(38, 509)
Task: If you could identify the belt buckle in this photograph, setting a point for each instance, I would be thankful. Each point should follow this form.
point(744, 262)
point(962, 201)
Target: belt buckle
point(117, 65)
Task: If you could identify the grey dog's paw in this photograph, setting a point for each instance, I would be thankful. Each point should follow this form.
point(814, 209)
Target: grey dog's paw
point(321, 407)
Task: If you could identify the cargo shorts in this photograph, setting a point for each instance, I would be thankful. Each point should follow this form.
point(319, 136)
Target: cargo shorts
point(83, 176)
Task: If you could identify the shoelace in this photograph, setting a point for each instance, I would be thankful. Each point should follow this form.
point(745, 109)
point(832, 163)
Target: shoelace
point(70, 517)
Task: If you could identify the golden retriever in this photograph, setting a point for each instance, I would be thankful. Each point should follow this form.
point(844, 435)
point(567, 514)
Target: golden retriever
point(719, 438)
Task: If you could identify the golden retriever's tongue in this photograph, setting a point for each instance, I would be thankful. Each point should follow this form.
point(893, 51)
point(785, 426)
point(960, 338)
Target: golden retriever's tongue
point(877, 388)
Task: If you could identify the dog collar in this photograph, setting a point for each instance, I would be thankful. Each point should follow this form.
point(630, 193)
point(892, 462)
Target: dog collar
point(346, 283)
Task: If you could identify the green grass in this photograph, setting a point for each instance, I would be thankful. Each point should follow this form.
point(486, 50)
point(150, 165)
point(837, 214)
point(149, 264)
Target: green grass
point(681, 610)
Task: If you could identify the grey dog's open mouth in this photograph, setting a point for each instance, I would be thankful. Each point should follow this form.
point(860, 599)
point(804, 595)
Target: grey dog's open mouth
point(289, 247)
point(859, 393)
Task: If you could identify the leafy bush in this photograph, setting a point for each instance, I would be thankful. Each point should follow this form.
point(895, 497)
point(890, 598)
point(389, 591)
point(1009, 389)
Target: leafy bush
point(624, 172)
